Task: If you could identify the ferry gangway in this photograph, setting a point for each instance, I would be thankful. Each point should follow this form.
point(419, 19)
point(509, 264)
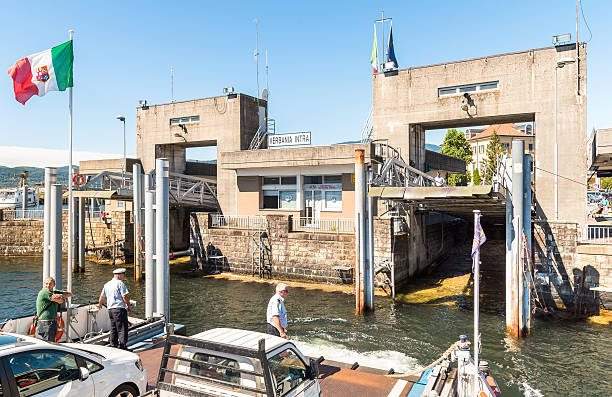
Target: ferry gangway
point(184, 189)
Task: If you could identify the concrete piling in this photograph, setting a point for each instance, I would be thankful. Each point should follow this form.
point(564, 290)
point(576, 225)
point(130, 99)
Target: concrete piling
point(55, 234)
point(50, 179)
point(138, 188)
point(81, 232)
point(162, 241)
point(370, 242)
point(527, 323)
point(360, 246)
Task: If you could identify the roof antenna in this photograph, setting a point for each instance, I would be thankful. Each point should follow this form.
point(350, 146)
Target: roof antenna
point(257, 55)
point(171, 84)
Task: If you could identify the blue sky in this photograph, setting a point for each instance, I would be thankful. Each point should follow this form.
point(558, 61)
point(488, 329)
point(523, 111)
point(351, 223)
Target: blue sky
point(320, 76)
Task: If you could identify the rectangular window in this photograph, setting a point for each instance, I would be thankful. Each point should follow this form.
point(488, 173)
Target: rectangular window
point(288, 180)
point(313, 179)
point(333, 201)
point(531, 147)
point(184, 120)
point(332, 178)
point(225, 373)
point(270, 199)
point(40, 370)
point(469, 88)
point(287, 200)
point(271, 180)
point(481, 149)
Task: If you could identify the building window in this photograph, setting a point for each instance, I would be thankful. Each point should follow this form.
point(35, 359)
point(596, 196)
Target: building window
point(481, 149)
point(322, 193)
point(185, 120)
point(531, 147)
point(506, 147)
point(279, 192)
point(333, 200)
point(469, 88)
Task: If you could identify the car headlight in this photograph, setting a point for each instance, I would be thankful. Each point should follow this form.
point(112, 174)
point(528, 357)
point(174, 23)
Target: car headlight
point(139, 365)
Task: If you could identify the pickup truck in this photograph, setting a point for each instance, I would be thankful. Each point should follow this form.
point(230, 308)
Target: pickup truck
point(235, 363)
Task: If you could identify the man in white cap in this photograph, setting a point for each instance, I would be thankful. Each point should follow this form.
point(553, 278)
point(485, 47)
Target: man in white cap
point(276, 315)
point(118, 305)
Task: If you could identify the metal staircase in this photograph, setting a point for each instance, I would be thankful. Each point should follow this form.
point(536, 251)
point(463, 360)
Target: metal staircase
point(261, 253)
point(260, 136)
point(394, 170)
point(367, 132)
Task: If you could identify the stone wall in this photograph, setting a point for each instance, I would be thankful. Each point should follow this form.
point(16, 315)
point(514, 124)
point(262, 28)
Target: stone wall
point(320, 257)
point(26, 237)
point(564, 274)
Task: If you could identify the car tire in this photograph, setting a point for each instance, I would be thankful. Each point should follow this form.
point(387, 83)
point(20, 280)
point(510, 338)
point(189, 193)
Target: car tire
point(124, 390)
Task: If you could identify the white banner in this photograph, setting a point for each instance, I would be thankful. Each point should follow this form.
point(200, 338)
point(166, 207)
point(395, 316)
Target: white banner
point(294, 139)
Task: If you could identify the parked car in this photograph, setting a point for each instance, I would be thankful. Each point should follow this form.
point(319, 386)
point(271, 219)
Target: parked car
point(32, 367)
point(229, 362)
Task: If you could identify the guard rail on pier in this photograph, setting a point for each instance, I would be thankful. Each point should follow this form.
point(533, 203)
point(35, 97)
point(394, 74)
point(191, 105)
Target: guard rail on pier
point(597, 234)
point(314, 225)
point(248, 222)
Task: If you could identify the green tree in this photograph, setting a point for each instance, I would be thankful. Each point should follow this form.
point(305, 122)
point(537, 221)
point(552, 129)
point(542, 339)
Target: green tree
point(476, 179)
point(455, 145)
point(494, 152)
point(606, 183)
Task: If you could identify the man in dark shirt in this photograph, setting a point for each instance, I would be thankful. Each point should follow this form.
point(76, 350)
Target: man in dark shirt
point(47, 305)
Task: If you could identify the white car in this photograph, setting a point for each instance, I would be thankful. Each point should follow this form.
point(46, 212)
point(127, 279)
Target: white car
point(32, 367)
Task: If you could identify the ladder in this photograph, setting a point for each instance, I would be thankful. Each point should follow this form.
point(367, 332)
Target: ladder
point(261, 253)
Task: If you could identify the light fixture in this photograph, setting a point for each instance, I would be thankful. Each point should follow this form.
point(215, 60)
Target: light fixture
point(228, 90)
point(176, 134)
point(565, 61)
point(183, 127)
point(466, 103)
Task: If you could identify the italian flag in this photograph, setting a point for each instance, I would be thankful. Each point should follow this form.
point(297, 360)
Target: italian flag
point(374, 57)
point(37, 74)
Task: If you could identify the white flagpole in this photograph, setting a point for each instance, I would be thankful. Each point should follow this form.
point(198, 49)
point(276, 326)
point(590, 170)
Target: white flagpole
point(476, 298)
point(70, 208)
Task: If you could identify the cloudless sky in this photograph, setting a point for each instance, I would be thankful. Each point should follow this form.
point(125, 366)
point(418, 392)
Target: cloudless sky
point(318, 51)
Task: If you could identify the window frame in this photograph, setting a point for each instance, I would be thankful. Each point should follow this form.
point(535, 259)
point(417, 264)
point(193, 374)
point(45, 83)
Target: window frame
point(307, 370)
point(278, 188)
point(178, 120)
point(474, 88)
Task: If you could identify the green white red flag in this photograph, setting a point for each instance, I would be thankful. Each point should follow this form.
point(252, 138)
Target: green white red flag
point(37, 74)
point(374, 58)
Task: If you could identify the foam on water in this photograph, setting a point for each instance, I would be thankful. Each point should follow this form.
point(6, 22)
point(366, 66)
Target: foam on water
point(527, 389)
point(381, 359)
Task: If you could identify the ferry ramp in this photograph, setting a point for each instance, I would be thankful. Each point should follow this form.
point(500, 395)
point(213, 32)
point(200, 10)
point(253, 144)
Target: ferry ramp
point(195, 192)
point(458, 201)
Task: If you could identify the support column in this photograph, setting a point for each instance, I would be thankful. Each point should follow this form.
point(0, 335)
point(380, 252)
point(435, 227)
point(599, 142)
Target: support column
point(360, 242)
point(370, 243)
point(50, 179)
point(24, 199)
point(517, 318)
point(162, 243)
point(509, 239)
point(527, 323)
point(137, 189)
point(81, 229)
point(55, 234)
point(150, 306)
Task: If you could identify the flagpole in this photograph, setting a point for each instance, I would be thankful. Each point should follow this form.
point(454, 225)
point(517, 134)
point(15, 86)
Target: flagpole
point(476, 297)
point(70, 208)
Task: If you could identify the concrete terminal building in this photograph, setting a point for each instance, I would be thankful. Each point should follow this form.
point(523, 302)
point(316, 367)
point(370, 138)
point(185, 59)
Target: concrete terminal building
point(317, 182)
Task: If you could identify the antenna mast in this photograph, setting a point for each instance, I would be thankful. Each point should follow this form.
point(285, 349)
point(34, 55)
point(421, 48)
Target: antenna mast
point(257, 54)
point(171, 84)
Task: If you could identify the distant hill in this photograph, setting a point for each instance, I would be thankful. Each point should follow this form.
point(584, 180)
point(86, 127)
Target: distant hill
point(433, 148)
point(37, 176)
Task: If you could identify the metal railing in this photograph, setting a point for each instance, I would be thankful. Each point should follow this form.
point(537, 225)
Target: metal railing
point(8, 215)
point(248, 222)
point(314, 225)
point(597, 234)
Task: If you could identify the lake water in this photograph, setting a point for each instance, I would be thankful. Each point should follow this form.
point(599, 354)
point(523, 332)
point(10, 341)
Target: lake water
point(559, 359)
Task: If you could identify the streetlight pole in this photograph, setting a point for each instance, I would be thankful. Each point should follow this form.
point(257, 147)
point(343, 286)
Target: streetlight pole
point(122, 118)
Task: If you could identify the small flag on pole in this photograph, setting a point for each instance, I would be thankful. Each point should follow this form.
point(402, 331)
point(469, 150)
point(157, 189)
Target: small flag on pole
point(374, 58)
point(37, 74)
point(392, 57)
point(479, 240)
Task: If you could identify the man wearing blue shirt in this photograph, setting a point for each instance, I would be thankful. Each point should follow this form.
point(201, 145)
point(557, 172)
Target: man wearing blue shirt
point(118, 305)
point(276, 315)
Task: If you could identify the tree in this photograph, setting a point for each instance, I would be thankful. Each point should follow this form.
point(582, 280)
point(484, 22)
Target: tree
point(455, 145)
point(606, 183)
point(494, 152)
point(476, 179)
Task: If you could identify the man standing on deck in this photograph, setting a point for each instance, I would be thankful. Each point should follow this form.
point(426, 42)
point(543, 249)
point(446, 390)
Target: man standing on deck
point(276, 315)
point(47, 304)
point(118, 305)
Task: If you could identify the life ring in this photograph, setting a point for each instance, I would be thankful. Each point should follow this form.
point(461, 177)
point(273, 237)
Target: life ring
point(78, 179)
point(483, 394)
point(58, 334)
